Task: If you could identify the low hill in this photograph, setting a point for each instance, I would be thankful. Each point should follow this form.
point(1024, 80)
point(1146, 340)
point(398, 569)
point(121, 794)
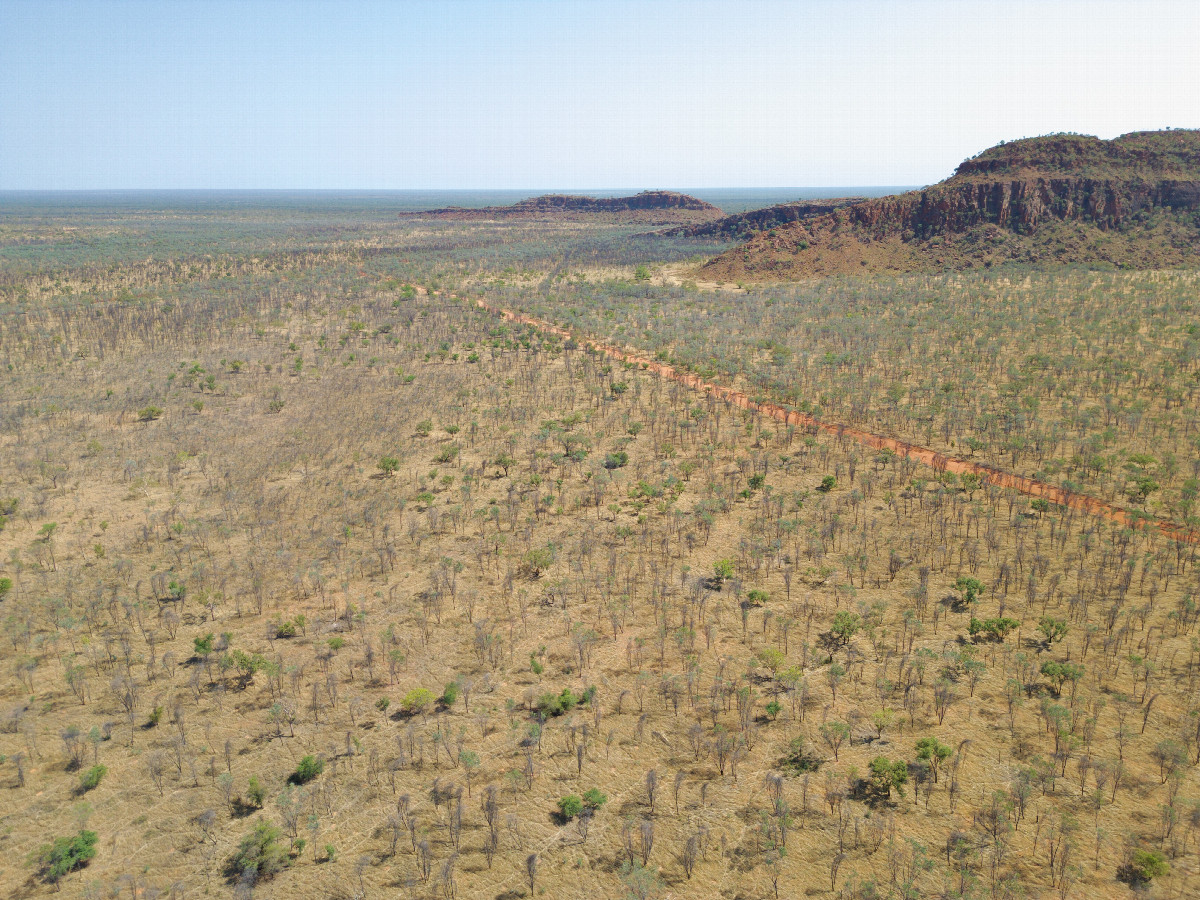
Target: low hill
point(648, 207)
point(744, 225)
point(1131, 202)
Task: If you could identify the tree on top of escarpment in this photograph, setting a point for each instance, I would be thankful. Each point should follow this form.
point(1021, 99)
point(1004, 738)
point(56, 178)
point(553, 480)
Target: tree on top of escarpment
point(1143, 154)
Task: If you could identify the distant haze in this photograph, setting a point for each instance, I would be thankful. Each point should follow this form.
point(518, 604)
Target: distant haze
point(383, 202)
point(565, 95)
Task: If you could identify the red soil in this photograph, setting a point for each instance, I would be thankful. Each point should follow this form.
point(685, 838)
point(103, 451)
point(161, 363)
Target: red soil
point(939, 462)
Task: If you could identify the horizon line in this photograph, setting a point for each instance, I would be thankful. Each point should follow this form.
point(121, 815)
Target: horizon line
point(266, 190)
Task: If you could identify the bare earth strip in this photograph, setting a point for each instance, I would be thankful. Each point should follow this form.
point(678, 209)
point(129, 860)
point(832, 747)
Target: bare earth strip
point(939, 462)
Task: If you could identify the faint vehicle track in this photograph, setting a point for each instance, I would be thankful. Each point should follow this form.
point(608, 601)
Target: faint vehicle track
point(939, 462)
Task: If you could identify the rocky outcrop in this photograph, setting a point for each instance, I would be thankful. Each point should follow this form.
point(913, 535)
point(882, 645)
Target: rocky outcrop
point(742, 225)
point(648, 207)
point(1131, 201)
point(1019, 205)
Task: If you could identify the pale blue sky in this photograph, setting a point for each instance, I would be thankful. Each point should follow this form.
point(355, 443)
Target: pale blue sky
point(458, 94)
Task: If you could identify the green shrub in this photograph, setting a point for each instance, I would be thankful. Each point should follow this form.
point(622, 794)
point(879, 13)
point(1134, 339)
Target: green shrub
point(798, 759)
point(450, 694)
point(389, 464)
point(255, 792)
point(551, 704)
point(567, 700)
point(65, 855)
point(150, 413)
point(536, 561)
point(828, 483)
point(617, 460)
point(570, 806)
point(92, 777)
point(722, 570)
point(845, 625)
point(1146, 865)
point(418, 700)
point(1062, 672)
point(593, 799)
point(261, 853)
point(886, 774)
point(1052, 629)
point(995, 630)
point(310, 767)
point(933, 752)
point(971, 589)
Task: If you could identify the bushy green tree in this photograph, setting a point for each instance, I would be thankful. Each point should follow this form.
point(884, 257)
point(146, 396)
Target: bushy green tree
point(1052, 629)
point(971, 588)
point(570, 806)
point(933, 752)
point(1146, 865)
point(887, 774)
point(65, 854)
point(536, 561)
point(593, 798)
point(1062, 672)
point(308, 769)
point(995, 629)
point(616, 460)
point(255, 792)
point(92, 777)
point(418, 700)
point(723, 570)
point(261, 853)
point(845, 625)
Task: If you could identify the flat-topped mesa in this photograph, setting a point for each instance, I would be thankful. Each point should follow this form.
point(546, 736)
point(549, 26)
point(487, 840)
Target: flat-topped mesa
point(1063, 199)
point(742, 225)
point(1141, 154)
point(648, 207)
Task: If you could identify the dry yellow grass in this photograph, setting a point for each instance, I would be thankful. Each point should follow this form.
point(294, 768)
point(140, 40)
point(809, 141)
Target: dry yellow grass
point(269, 501)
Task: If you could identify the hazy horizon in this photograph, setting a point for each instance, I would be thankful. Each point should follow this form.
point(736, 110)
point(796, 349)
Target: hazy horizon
point(220, 95)
point(730, 200)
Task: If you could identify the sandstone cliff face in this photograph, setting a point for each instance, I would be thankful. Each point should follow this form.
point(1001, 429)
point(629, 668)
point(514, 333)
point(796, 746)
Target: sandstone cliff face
point(648, 207)
point(1010, 202)
point(1019, 205)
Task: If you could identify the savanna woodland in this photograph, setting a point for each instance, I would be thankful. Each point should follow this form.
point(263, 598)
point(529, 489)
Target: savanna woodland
point(322, 577)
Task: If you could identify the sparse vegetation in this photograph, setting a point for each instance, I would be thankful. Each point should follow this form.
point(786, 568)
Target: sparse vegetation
point(842, 664)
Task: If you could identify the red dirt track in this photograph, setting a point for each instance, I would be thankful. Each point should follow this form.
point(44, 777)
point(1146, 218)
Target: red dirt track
point(939, 462)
